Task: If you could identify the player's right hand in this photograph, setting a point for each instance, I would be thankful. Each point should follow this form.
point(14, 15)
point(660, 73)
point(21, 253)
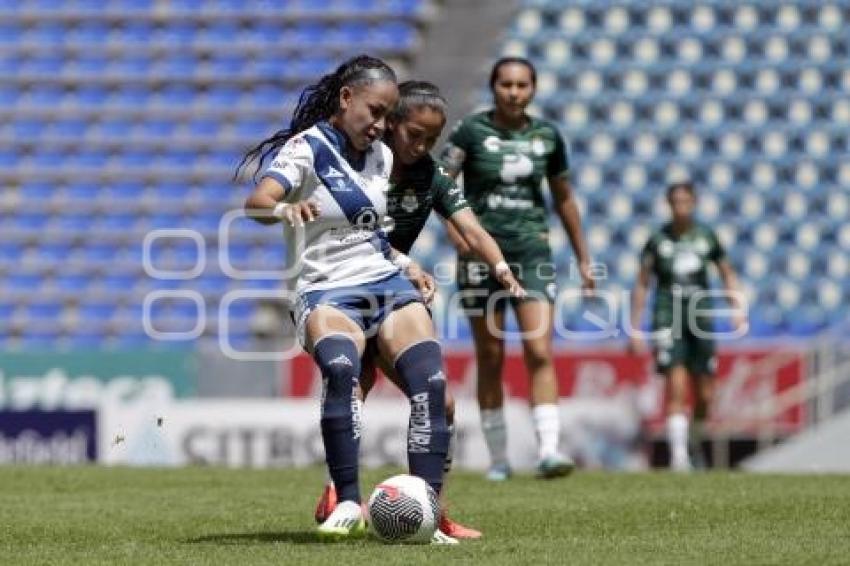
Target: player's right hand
point(423, 281)
point(298, 213)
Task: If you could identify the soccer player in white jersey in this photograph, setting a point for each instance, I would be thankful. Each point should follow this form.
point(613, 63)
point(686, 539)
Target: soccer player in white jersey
point(348, 289)
point(418, 187)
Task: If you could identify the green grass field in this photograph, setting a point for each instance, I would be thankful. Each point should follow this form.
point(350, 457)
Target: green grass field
point(213, 516)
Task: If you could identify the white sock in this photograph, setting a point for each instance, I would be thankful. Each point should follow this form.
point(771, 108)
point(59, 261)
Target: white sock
point(495, 434)
point(677, 438)
point(547, 425)
point(450, 454)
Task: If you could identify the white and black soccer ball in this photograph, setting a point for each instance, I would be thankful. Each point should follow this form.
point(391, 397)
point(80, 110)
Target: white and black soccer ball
point(405, 509)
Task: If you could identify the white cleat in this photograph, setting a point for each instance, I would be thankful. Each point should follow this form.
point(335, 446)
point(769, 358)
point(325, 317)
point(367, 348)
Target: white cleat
point(442, 538)
point(499, 472)
point(346, 521)
point(681, 465)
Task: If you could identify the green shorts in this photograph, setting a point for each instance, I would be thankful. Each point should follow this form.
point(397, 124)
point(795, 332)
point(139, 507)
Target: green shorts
point(696, 354)
point(532, 265)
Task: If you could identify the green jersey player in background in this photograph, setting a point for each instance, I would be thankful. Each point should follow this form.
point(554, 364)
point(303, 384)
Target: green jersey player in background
point(504, 155)
point(676, 258)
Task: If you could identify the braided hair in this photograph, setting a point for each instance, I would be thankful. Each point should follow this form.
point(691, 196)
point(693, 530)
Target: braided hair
point(319, 102)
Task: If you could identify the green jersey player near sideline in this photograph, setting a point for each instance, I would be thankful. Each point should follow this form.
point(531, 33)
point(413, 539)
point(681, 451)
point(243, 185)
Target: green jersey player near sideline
point(419, 185)
point(504, 155)
point(676, 257)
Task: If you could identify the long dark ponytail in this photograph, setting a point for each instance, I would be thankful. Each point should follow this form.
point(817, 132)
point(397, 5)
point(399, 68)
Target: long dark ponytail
point(319, 102)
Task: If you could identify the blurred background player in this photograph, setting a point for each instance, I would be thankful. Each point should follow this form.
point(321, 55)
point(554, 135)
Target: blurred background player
point(347, 288)
point(676, 260)
point(504, 155)
point(418, 185)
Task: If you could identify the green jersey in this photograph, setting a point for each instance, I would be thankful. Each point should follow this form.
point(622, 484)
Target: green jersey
point(424, 186)
point(680, 264)
point(502, 173)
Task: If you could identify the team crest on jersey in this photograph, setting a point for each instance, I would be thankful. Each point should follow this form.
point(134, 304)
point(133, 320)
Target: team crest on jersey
point(665, 248)
point(538, 146)
point(409, 202)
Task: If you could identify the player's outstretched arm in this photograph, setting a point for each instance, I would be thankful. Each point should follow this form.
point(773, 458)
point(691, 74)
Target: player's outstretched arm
point(567, 209)
point(478, 241)
point(264, 205)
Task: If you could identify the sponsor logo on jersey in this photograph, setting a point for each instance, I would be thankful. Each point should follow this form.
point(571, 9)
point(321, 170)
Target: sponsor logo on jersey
point(494, 144)
point(333, 173)
point(665, 248)
point(366, 218)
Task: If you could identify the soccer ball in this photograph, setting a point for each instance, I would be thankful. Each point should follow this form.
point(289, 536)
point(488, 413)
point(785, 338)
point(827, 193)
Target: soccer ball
point(404, 508)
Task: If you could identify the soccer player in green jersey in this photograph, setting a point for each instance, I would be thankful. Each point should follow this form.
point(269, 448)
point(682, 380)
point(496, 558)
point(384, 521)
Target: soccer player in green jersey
point(418, 186)
point(504, 155)
point(676, 257)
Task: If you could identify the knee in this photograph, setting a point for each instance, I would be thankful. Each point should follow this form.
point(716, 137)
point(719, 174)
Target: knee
point(537, 354)
point(490, 356)
point(339, 361)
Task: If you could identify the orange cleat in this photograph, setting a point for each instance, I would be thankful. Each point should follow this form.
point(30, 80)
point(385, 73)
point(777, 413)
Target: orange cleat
point(456, 530)
point(326, 504)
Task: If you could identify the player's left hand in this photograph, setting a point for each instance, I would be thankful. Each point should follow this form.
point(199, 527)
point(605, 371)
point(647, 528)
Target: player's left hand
point(423, 281)
point(506, 277)
point(588, 283)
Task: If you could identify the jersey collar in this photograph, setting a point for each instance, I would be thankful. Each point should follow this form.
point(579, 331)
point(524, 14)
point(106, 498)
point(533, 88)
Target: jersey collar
point(339, 141)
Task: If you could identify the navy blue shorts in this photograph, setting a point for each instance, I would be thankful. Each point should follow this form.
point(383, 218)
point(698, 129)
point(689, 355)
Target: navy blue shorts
point(367, 305)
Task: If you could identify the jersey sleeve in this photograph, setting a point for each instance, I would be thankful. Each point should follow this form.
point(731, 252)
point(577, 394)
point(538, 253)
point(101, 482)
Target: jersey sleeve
point(559, 162)
point(717, 253)
point(292, 164)
point(448, 195)
point(457, 147)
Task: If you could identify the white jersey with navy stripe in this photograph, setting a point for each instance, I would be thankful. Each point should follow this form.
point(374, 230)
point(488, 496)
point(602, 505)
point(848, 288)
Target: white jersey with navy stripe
point(346, 245)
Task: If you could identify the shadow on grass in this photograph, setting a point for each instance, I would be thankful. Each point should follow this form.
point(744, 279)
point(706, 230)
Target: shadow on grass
point(266, 537)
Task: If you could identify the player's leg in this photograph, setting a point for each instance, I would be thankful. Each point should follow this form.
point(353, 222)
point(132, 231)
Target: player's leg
point(489, 357)
point(336, 343)
point(702, 366)
point(534, 317)
point(671, 360)
point(448, 526)
point(368, 374)
point(406, 336)
point(677, 416)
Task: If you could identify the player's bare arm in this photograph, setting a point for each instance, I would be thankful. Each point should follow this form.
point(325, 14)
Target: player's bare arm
point(733, 293)
point(476, 239)
point(567, 210)
point(641, 289)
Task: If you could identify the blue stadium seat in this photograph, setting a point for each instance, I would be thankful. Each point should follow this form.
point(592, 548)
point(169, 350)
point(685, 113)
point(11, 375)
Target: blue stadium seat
point(46, 33)
point(44, 96)
point(71, 283)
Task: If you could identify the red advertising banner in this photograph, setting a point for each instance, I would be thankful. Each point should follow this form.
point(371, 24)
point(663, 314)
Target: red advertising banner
point(746, 381)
